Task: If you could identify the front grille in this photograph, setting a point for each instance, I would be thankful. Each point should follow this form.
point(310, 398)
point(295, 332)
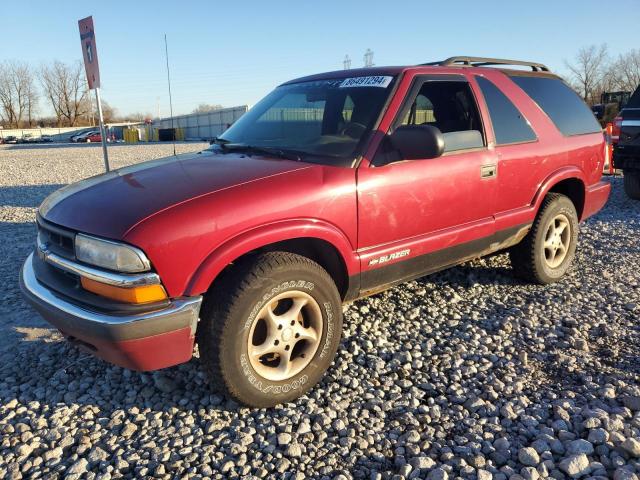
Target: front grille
point(57, 240)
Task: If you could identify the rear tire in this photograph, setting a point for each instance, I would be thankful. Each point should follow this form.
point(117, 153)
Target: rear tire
point(270, 328)
point(632, 185)
point(546, 253)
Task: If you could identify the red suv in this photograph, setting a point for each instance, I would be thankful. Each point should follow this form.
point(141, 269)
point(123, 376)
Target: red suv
point(333, 187)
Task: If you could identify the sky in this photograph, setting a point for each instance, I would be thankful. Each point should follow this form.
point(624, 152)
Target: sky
point(233, 53)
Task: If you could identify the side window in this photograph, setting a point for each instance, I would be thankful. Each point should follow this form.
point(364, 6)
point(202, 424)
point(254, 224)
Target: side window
point(449, 106)
point(509, 125)
point(420, 113)
point(563, 106)
point(347, 109)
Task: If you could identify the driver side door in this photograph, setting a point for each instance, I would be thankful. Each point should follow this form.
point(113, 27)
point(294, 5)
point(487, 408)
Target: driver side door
point(418, 216)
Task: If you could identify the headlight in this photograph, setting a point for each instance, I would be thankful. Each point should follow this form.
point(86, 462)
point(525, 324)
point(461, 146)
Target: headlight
point(111, 255)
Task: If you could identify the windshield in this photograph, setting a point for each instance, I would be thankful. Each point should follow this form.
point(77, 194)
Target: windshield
point(319, 121)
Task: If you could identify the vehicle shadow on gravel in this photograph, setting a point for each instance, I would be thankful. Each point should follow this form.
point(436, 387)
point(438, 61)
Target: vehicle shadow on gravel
point(30, 196)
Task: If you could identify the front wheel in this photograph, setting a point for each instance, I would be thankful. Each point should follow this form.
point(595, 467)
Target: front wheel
point(546, 253)
point(632, 185)
point(270, 328)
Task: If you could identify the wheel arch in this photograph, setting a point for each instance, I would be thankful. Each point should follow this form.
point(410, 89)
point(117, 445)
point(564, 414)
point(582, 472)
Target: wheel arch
point(319, 241)
point(567, 181)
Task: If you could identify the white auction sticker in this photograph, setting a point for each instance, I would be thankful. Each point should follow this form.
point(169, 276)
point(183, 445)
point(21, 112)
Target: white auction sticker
point(373, 81)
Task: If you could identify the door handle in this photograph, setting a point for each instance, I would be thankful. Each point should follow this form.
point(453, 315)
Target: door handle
point(488, 171)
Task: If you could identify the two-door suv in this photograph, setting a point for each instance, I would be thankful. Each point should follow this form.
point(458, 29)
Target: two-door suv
point(333, 187)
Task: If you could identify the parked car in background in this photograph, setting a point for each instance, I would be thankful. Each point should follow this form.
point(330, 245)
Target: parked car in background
point(80, 137)
point(92, 138)
point(626, 152)
point(251, 246)
point(10, 139)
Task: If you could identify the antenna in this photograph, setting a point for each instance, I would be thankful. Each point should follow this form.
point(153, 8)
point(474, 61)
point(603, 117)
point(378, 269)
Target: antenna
point(346, 62)
point(166, 52)
point(368, 58)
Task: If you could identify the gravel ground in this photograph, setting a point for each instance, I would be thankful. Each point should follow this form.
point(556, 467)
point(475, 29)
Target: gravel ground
point(467, 373)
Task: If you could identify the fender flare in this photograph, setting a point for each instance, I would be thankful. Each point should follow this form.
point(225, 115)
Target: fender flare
point(249, 240)
point(565, 173)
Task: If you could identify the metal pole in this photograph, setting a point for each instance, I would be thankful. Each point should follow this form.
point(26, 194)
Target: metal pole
point(103, 132)
point(166, 53)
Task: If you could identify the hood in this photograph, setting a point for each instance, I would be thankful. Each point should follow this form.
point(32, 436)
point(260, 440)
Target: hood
point(109, 205)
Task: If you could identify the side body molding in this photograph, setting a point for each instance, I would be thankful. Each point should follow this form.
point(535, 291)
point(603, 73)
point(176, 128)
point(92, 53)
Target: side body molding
point(265, 235)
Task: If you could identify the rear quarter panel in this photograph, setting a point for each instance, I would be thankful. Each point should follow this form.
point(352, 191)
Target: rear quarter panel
point(527, 171)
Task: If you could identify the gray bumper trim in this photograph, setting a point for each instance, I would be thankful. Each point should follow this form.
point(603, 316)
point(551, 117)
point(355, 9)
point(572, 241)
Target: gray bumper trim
point(124, 280)
point(73, 319)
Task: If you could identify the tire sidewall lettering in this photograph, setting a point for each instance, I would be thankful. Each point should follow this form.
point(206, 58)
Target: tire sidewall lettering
point(265, 386)
point(284, 286)
point(561, 269)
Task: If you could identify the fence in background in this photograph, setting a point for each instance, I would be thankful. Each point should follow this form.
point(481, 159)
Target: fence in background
point(195, 126)
point(56, 134)
point(203, 126)
point(63, 134)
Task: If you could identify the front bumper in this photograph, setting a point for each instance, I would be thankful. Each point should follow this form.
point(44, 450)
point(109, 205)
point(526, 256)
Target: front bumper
point(595, 198)
point(138, 341)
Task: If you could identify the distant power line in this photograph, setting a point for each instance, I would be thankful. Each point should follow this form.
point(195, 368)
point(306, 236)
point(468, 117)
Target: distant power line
point(368, 58)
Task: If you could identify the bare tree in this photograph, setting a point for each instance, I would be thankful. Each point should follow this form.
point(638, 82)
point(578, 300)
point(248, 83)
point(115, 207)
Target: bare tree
point(65, 87)
point(624, 72)
point(6, 97)
point(588, 71)
point(18, 95)
point(205, 107)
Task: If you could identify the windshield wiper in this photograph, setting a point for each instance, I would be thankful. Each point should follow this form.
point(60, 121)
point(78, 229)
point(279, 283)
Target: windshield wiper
point(258, 150)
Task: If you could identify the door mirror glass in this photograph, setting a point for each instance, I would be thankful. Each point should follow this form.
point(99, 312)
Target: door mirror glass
point(415, 142)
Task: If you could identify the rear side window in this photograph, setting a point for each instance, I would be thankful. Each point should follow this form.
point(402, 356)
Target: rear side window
point(509, 125)
point(563, 106)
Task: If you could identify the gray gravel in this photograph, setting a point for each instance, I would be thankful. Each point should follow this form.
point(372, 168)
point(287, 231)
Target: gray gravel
point(467, 373)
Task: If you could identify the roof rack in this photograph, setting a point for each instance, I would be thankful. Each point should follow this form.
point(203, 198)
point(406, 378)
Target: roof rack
point(485, 61)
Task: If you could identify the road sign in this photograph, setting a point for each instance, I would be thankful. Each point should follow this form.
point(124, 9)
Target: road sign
point(90, 55)
point(89, 52)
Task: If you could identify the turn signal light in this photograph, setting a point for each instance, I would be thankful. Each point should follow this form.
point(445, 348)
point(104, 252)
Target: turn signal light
point(143, 294)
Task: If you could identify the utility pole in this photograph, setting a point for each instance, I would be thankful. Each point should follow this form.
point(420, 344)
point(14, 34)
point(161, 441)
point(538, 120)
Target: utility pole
point(90, 56)
point(368, 58)
point(166, 52)
point(346, 62)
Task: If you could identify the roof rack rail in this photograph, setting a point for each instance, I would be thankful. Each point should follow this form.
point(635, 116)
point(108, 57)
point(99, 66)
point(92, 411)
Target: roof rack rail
point(486, 61)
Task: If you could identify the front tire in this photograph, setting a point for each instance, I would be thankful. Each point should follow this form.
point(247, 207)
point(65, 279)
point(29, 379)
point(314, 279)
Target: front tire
point(546, 253)
point(270, 329)
point(632, 185)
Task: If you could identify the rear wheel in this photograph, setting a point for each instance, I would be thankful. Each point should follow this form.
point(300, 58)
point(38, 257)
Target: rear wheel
point(546, 253)
point(270, 329)
point(632, 185)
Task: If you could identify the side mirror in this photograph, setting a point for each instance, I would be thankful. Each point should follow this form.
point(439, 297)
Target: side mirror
point(416, 142)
